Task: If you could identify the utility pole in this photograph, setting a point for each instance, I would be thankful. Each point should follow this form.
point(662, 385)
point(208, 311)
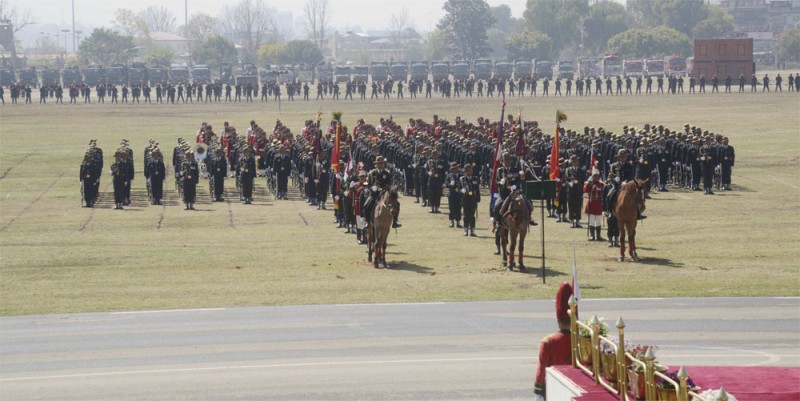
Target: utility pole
point(73, 27)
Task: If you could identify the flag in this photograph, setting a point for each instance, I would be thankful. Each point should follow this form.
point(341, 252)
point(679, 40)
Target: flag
point(576, 290)
point(593, 165)
point(554, 155)
point(335, 153)
point(498, 156)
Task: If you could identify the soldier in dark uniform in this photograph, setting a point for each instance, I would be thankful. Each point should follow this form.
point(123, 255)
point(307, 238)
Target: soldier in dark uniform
point(247, 174)
point(693, 158)
point(620, 172)
point(435, 180)
point(119, 174)
point(454, 196)
point(663, 163)
point(219, 169)
point(380, 180)
point(471, 191)
point(282, 166)
point(323, 180)
point(708, 161)
point(726, 158)
point(646, 163)
point(128, 169)
point(190, 173)
point(575, 178)
point(91, 169)
point(156, 172)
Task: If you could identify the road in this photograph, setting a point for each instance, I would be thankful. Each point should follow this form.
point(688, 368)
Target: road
point(435, 351)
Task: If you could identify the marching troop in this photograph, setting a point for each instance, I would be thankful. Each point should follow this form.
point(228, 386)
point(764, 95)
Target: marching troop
point(168, 93)
point(427, 161)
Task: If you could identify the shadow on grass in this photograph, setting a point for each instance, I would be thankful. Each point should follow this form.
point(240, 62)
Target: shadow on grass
point(408, 266)
point(537, 271)
point(660, 262)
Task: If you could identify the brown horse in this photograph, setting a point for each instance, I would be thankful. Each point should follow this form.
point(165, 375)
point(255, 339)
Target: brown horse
point(515, 216)
point(630, 201)
point(378, 231)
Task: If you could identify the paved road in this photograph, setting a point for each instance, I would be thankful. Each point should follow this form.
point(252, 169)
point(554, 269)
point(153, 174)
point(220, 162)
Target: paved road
point(441, 351)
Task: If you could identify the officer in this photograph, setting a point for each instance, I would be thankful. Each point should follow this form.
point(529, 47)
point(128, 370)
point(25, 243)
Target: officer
point(282, 166)
point(157, 174)
point(663, 162)
point(119, 174)
point(708, 162)
point(219, 169)
point(247, 174)
point(190, 172)
point(594, 205)
point(454, 196)
point(575, 178)
point(726, 158)
point(435, 179)
point(556, 349)
point(90, 177)
point(380, 180)
point(646, 157)
point(322, 180)
point(471, 190)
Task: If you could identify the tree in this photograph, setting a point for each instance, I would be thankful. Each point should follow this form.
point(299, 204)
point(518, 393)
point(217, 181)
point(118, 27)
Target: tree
point(201, 27)
point(529, 44)
point(159, 55)
point(789, 45)
point(559, 19)
point(215, 50)
point(650, 42)
point(435, 45)
point(464, 28)
point(270, 54)
point(300, 52)
point(718, 24)
point(644, 13)
point(606, 19)
point(317, 15)
point(398, 27)
point(157, 19)
point(105, 47)
point(18, 19)
point(681, 15)
point(497, 43)
point(248, 23)
point(503, 20)
point(127, 23)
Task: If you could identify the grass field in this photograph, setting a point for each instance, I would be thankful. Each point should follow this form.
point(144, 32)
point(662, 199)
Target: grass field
point(58, 257)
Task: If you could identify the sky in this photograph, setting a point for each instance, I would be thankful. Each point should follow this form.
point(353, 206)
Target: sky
point(367, 14)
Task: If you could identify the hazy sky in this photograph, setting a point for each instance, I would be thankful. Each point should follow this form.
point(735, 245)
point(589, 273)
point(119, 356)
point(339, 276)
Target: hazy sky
point(368, 14)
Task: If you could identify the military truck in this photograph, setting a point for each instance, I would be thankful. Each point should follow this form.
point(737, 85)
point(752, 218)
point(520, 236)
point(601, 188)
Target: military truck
point(178, 74)
point(460, 70)
point(94, 76)
point(419, 70)
point(201, 74)
point(440, 70)
point(28, 76)
point(503, 70)
point(379, 71)
point(137, 74)
point(51, 77)
point(361, 73)
point(523, 69)
point(483, 69)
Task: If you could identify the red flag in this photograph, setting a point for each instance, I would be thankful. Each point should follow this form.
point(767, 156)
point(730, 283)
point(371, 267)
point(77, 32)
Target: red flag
point(554, 155)
point(335, 153)
point(520, 138)
point(498, 152)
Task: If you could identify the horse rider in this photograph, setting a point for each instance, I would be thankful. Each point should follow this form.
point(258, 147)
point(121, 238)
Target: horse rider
point(509, 181)
point(380, 181)
point(556, 349)
point(622, 171)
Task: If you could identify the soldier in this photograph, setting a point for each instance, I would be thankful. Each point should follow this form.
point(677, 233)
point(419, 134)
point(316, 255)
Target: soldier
point(323, 180)
point(645, 165)
point(282, 165)
point(454, 195)
point(119, 174)
point(91, 170)
point(708, 162)
point(594, 206)
point(471, 191)
point(574, 178)
point(247, 174)
point(156, 172)
point(663, 162)
point(741, 83)
point(778, 83)
point(726, 157)
point(765, 82)
point(219, 169)
point(556, 349)
point(435, 177)
point(190, 173)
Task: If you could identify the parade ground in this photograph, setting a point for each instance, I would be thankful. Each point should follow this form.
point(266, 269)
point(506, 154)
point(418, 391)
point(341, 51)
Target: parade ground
point(58, 257)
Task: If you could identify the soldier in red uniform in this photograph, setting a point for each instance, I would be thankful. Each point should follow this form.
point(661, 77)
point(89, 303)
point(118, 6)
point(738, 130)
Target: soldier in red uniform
point(556, 349)
point(594, 207)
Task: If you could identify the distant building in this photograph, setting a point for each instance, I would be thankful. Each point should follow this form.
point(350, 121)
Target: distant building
point(366, 47)
point(763, 21)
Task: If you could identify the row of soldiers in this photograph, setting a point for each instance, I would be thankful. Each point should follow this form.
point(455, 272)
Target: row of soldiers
point(247, 92)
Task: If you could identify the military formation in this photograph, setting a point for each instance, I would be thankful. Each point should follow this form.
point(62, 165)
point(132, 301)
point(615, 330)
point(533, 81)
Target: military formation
point(427, 161)
point(167, 93)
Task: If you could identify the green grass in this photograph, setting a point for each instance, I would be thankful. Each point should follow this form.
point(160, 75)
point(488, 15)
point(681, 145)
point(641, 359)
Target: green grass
point(58, 257)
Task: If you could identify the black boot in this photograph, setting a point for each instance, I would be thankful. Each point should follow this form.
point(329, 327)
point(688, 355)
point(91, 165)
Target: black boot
point(458, 224)
point(599, 236)
point(395, 224)
point(452, 223)
point(578, 224)
point(591, 231)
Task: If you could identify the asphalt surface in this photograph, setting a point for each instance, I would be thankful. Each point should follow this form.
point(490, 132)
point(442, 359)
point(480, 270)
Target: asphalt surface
point(435, 351)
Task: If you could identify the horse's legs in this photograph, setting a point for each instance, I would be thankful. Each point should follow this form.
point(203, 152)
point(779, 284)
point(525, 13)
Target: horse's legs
point(512, 248)
point(383, 251)
point(621, 242)
point(370, 239)
point(521, 250)
point(632, 243)
point(504, 245)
